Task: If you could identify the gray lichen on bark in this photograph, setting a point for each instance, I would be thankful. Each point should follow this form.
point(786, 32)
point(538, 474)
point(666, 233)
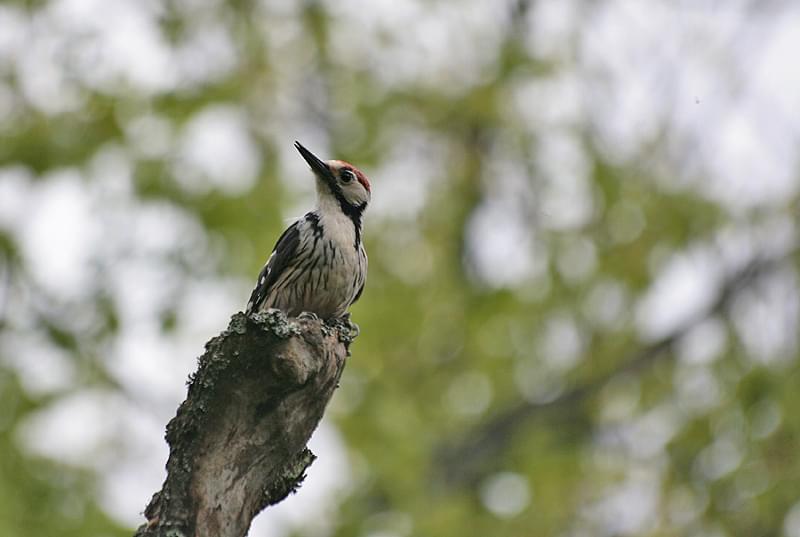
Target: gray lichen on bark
point(238, 441)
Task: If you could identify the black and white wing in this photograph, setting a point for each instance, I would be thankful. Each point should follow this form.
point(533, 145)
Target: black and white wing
point(284, 251)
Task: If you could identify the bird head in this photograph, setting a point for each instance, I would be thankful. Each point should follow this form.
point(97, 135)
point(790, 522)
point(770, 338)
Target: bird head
point(339, 179)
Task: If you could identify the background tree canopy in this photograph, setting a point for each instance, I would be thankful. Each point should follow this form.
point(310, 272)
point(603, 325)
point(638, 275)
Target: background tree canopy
point(582, 309)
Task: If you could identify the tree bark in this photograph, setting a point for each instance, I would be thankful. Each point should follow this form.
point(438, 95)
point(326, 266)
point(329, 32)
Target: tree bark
point(238, 441)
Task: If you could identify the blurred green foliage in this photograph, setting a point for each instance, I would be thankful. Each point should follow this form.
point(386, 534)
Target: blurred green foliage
point(443, 348)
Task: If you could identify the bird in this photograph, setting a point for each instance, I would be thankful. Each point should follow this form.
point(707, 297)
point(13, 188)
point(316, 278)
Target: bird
point(318, 266)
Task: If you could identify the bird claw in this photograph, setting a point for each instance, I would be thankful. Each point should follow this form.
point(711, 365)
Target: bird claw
point(347, 329)
point(308, 315)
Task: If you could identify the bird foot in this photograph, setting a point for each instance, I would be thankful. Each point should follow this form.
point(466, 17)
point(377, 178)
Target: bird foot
point(348, 330)
point(308, 315)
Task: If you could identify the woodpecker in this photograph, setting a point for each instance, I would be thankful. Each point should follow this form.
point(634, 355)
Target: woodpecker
point(319, 264)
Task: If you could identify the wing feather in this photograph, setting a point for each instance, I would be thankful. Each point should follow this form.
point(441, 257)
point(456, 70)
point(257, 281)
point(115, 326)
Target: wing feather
point(283, 252)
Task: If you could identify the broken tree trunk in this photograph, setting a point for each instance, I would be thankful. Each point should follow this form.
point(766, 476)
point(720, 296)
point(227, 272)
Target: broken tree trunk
point(238, 441)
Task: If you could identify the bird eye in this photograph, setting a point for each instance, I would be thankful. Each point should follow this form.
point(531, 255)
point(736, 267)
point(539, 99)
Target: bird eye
point(347, 176)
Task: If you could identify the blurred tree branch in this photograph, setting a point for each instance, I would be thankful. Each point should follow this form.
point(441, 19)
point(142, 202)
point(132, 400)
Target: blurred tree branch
point(464, 462)
point(237, 443)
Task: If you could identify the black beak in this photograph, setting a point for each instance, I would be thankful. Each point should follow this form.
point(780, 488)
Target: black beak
point(317, 166)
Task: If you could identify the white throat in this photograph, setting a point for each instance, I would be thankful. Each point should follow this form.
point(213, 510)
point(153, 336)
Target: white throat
point(337, 225)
